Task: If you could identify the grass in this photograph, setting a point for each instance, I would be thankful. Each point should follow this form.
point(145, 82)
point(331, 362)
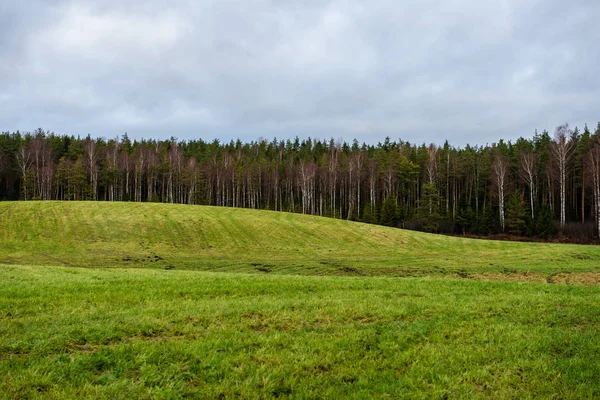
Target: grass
point(145, 235)
point(123, 300)
point(131, 333)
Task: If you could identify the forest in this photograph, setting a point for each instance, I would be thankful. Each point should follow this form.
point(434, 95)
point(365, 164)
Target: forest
point(546, 187)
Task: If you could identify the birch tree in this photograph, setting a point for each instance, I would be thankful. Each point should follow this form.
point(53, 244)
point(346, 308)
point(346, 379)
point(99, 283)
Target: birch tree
point(528, 164)
point(592, 159)
point(562, 151)
point(499, 176)
point(91, 164)
point(24, 162)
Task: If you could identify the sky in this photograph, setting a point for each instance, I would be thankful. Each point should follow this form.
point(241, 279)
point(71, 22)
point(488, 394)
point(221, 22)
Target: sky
point(466, 71)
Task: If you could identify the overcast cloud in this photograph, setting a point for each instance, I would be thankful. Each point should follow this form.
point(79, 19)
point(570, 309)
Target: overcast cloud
point(470, 71)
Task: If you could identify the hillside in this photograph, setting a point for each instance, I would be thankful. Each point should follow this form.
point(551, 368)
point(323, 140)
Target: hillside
point(168, 236)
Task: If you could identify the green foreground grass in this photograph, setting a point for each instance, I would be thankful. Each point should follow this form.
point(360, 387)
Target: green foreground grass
point(129, 333)
point(167, 236)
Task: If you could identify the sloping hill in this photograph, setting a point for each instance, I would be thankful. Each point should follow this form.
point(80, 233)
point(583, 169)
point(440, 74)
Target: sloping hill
point(210, 238)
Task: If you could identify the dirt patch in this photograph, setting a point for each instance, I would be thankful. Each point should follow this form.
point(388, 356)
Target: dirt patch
point(511, 277)
point(579, 278)
point(576, 278)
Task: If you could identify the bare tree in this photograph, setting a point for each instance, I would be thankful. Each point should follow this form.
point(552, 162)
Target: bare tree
point(126, 165)
point(389, 175)
point(499, 176)
point(152, 165)
point(90, 151)
point(562, 151)
point(353, 170)
point(373, 170)
point(432, 151)
point(42, 166)
point(334, 150)
point(432, 167)
point(112, 158)
point(360, 159)
point(24, 161)
point(139, 168)
point(306, 178)
point(592, 160)
point(192, 179)
point(175, 166)
point(4, 164)
point(528, 173)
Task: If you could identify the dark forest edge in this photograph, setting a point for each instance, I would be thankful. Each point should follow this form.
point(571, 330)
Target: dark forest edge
point(545, 188)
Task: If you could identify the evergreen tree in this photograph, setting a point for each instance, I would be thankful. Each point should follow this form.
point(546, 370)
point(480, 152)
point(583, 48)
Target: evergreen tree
point(368, 216)
point(388, 212)
point(487, 222)
point(516, 215)
point(465, 219)
point(429, 208)
point(545, 222)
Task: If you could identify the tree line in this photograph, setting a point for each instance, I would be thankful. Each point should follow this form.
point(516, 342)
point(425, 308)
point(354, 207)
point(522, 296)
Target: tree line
point(544, 186)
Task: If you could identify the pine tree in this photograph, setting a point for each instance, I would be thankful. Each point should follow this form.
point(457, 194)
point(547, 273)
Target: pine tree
point(368, 216)
point(429, 208)
point(465, 218)
point(487, 223)
point(545, 222)
point(388, 212)
point(516, 215)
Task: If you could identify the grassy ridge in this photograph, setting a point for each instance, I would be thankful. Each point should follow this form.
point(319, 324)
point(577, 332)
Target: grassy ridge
point(131, 333)
point(238, 240)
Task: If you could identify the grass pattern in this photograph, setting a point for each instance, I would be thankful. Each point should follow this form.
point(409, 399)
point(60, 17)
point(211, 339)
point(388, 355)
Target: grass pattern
point(101, 234)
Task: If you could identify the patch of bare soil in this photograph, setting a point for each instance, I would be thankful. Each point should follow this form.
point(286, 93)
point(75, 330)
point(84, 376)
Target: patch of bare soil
point(575, 278)
point(579, 278)
point(512, 277)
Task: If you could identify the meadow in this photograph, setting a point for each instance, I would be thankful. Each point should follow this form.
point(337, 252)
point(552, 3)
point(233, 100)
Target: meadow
point(174, 236)
point(101, 300)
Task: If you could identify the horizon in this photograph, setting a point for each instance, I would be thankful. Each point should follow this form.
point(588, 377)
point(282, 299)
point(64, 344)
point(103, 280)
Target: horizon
point(340, 140)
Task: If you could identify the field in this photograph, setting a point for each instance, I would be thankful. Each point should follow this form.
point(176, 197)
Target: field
point(147, 235)
point(165, 301)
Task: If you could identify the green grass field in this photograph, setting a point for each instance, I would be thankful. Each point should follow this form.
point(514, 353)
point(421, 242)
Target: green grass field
point(168, 236)
point(101, 300)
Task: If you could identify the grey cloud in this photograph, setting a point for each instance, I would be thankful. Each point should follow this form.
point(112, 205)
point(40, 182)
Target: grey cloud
point(464, 70)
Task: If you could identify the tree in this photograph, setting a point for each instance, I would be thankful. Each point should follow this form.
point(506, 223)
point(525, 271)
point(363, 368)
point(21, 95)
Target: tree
point(368, 215)
point(306, 177)
point(516, 214)
point(24, 161)
point(545, 222)
point(562, 150)
point(389, 182)
point(388, 212)
point(592, 159)
point(529, 173)
point(3, 161)
point(112, 171)
point(465, 219)
point(91, 164)
point(372, 177)
point(432, 152)
point(429, 208)
point(499, 176)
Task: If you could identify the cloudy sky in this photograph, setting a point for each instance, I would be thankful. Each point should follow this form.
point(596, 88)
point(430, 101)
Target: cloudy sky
point(470, 71)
